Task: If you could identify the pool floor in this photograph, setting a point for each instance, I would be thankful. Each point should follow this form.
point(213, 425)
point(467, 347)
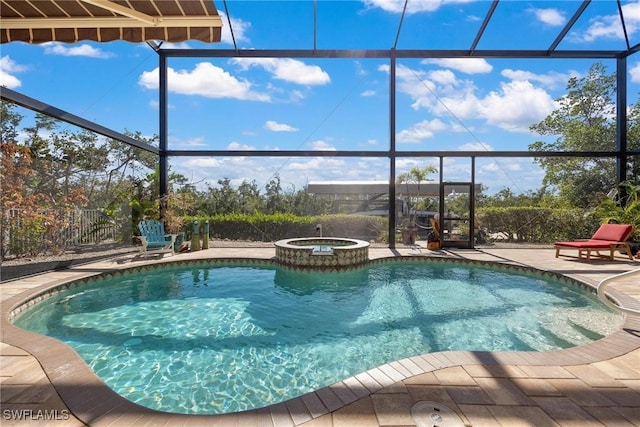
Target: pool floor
point(596, 382)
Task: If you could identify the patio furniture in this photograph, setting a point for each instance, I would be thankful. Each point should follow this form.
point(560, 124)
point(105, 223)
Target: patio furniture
point(154, 239)
point(611, 237)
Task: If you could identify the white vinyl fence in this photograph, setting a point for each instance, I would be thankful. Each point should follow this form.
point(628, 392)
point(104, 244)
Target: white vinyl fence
point(73, 227)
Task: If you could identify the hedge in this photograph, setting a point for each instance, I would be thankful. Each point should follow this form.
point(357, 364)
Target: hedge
point(536, 225)
point(517, 224)
point(268, 228)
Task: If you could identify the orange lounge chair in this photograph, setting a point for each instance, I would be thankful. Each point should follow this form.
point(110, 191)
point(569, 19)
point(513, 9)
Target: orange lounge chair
point(611, 237)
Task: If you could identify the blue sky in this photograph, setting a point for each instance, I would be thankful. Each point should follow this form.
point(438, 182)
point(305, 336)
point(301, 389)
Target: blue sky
point(338, 104)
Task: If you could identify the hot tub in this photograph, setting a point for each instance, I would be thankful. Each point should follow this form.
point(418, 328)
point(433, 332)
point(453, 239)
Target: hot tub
point(322, 252)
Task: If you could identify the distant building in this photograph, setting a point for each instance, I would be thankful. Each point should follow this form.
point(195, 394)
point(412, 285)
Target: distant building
point(372, 197)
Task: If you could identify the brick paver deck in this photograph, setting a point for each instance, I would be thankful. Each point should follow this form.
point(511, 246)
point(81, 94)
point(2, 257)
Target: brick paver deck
point(43, 382)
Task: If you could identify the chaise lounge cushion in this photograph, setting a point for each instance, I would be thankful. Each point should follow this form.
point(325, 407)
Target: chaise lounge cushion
point(613, 232)
point(595, 244)
point(603, 237)
point(606, 237)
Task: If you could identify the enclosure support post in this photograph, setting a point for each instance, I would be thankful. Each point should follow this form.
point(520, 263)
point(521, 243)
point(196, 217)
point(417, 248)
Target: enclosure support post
point(163, 166)
point(392, 150)
point(621, 120)
point(472, 204)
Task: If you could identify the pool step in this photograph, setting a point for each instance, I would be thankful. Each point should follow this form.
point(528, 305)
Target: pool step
point(556, 340)
point(575, 335)
point(592, 335)
point(520, 343)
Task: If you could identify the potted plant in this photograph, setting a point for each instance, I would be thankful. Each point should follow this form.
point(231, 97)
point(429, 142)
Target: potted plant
point(412, 180)
point(624, 209)
point(433, 238)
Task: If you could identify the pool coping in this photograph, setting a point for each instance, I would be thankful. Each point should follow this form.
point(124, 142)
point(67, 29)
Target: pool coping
point(71, 376)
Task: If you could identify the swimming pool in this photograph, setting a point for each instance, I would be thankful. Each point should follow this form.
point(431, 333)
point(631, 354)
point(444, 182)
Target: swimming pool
point(217, 338)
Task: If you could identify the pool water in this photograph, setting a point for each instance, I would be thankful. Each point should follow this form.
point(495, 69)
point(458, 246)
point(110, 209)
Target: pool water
point(224, 338)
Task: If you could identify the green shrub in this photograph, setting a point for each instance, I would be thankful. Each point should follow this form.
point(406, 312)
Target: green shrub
point(536, 225)
point(626, 211)
point(272, 227)
point(26, 234)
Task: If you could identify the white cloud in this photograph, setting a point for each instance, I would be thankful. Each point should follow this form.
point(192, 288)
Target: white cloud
point(443, 77)
point(73, 50)
point(205, 80)
point(296, 96)
point(459, 100)
point(634, 73)
point(368, 93)
point(489, 168)
point(404, 164)
point(518, 174)
point(197, 141)
point(606, 27)
point(458, 127)
point(414, 83)
point(8, 68)
point(552, 80)
point(514, 166)
point(396, 6)
point(631, 12)
point(239, 27)
point(287, 69)
point(279, 127)
point(549, 16)
point(609, 26)
point(420, 131)
point(319, 168)
point(413, 6)
point(321, 146)
point(514, 107)
point(464, 65)
point(201, 163)
point(237, 146)
point(475, 146)
point(170, 45)
point(360, 70)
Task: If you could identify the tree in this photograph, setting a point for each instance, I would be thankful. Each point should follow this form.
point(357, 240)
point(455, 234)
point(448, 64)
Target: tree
point(222, 200)
point(249, 196)
point(122, 172)
point(37, 191)
point(9, 122)
point(633, 141)
point(507, 198)
point(304, 203)
point(584, 121)
point(275, 200)
point(415, 176)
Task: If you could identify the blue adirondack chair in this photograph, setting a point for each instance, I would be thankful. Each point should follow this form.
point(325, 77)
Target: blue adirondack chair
point(154, 238)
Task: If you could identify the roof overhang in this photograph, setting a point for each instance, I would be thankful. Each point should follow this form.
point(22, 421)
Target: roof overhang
point(70, 21)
